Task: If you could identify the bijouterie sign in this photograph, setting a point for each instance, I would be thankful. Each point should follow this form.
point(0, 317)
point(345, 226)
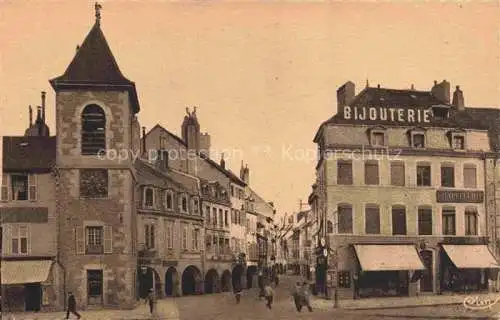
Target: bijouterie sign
point(406, 115)
point(445, 196)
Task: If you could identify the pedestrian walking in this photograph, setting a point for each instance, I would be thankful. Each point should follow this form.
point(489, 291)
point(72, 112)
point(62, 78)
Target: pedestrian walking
point(276, 280)
point(237, 291)
point(296, 296)
point(151, 299)
point(269, 295)
point(72, 306)
point(305, 296)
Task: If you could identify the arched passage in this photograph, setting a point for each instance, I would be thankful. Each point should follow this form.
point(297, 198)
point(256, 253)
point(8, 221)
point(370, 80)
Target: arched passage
point(211, 281)
point(226, 281)
point(251, 272)
point(171, 282)
point(191, 279)
point(148, 279)
point(237, 277)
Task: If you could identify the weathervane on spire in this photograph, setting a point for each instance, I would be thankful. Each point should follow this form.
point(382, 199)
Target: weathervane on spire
point(98, 8)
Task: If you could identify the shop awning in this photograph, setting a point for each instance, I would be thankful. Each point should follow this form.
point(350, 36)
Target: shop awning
point(27, 271)
point(471, 256)
point(374, 257)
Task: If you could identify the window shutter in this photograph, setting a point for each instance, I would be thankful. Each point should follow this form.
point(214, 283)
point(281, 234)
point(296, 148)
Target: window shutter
point(7, 235)
point(5, 188)
point(32, 193)
point(80, 240)
point(108, 239)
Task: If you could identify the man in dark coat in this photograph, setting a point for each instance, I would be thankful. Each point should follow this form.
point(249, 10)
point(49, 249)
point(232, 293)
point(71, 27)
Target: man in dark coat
point(151, 299)
point(237, 291)
point(72, 306)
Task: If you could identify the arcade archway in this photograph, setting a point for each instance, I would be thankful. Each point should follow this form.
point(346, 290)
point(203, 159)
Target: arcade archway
point(237, 277)
point(211, 281)
point(191, 280)
point(148, 279)
point(171, 282)
point(226, 281)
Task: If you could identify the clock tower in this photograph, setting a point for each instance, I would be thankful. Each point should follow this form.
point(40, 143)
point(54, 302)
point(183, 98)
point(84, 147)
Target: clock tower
point(96, 109)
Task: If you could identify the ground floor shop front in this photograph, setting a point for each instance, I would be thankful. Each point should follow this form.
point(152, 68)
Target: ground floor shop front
point(367, 269)
point(30, 285)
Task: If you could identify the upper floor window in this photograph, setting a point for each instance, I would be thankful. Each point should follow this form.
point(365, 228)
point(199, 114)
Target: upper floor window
point(93, 130)
point(470, 221)
point(207, 215)
point(226, 218)
point(169, 200)
point(169, 234)
point(425, 221)
point(196, 205)
point(449, 221)
point(417, 138)
point(94, 240)
point(195, 239)
point(149, 236)
point(19, 239)
point(214, 213)
point(22, 187)
point(94, 183)
point(377, 136)
point(423, 175)
point(184, 239)
point(149, 197)
point(344, 172)
point(329, 227)
point(458, 142)
point(372, 219)
point(344, 221)
point(398, 173)
point(221, 218)
point(232, 191)
point(398, 220)
point(447, 175)
point(470, 176)
point(371, 173)
point(184, 204)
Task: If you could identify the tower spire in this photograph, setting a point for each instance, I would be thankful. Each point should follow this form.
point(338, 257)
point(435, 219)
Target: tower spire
point(98, 8)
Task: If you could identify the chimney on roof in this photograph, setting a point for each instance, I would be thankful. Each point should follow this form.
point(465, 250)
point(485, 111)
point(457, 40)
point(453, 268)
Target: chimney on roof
point(222, 162)
point(31, 115)
point(43, 106)
point(246, 175)
point(144, 141)
point(441, 91)
point(378, 86)
point(38, 120)
point(458, 99)
point(345, 94)
point(77, 47)
point(412, 87)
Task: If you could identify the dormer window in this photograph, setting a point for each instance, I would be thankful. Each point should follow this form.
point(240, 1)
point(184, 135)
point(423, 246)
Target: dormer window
point(417, 138)
point(148, 197)
point(457, 139)
point(440, 112)
point(377, 136)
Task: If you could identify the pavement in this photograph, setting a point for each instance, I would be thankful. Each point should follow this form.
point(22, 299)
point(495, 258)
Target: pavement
point(222, 306)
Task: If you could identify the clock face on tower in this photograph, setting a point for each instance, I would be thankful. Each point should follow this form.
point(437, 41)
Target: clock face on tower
point(94, 183)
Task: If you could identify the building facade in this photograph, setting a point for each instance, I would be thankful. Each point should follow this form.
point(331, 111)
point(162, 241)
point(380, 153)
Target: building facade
point(402, 174)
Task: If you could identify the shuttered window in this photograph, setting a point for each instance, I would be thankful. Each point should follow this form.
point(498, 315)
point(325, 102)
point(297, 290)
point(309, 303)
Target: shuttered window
point(19, 239)
point(93, 240)
point(470, 221)
point(397, 173)
point(470, 176)
point(344, 172)
point(424, 221)
point(398, 220)
point(449, 227)
point(80, 240)
point(372, 219)
point(108, 239)
point(371, 173)
point(344, 223)
point(4, 196)
point(447, 176)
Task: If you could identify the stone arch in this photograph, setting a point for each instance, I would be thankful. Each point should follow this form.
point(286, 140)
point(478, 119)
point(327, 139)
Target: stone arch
point(171, 282)
point(191, 280)
point(148, 279)
point(226, 281)
point(212, 281)
point(237, 277)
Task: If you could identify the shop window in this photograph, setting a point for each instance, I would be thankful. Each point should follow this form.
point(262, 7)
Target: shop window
point(425, 221)
point(447, 176)
point(398, 220)
point(344, 279)
point(344, 215)
point(372, 219)
point(344, 172)
point(470, 221)
point(423, 175)
point(371, 173)
point(470, 176)
point(398, 173)
point(449, 221)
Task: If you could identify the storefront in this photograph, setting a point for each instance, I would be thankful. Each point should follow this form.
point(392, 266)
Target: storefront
point(386, 270)
point(29, 285)
point(467, 268)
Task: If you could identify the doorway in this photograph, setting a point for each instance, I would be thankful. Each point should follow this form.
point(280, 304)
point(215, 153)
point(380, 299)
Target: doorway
point(94, 287)
point(32, 297)
point(426, 282)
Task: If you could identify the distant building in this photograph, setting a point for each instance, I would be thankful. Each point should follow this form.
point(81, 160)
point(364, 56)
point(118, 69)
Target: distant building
point(405, 190)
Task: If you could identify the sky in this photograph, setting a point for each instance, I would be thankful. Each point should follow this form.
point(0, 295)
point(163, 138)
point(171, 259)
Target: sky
point(263, 75)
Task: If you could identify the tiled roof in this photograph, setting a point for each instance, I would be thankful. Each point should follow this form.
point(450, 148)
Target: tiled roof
point(393, 97)
point(177, 138)
point(226, 172)
point(94, 64)
point(29, 154)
